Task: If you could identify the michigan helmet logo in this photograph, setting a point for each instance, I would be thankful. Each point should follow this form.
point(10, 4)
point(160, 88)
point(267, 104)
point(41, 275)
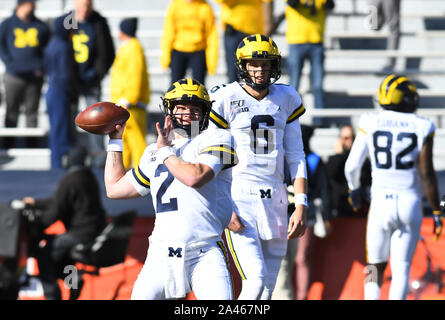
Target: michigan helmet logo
point(398, 93)
point(258, 46)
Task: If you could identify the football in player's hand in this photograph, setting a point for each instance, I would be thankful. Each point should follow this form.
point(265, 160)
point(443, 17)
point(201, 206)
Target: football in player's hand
point(101, 117)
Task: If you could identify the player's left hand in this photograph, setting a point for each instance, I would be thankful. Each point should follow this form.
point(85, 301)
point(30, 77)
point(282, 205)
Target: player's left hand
point(236, 224)
point(297, 222)
point(438, 224)
point(164, 135)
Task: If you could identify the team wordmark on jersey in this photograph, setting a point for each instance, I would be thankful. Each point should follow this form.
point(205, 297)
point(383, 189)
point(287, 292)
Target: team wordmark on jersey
point(175, 253)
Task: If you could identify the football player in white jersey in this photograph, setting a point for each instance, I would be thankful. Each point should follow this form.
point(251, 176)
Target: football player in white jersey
point(399, 144)
point(263, 119)
point(188, 173)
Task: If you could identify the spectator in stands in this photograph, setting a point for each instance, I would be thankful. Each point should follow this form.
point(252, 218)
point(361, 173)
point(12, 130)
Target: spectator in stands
point(60, 70)
point(130, 88)
point(189, 40)
point(23, 38)
point(304, 34)
point(299, 249)
point(77, 203)
point(336, 168)
point(241, 18)
point(94, 55)
point(388, 13)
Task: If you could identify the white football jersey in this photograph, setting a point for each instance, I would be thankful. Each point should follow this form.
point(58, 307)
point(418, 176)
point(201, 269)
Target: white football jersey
point(393, 141)
point(264, 131)
point(185, 214)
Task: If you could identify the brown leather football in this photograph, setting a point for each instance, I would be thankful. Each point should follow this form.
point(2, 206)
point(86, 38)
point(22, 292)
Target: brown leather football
point(101, 117)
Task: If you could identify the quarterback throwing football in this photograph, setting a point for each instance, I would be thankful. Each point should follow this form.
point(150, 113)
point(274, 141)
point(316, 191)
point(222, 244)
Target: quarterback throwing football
point(263, 119)
point(188, 173)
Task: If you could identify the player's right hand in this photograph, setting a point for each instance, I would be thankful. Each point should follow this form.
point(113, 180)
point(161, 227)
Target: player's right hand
point(355, 199)
point(118, 133)
point(236, 224)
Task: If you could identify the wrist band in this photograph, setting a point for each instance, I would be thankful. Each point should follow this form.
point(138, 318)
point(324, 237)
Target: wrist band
point(301, 198)
point(116, 145)
point(165, 152)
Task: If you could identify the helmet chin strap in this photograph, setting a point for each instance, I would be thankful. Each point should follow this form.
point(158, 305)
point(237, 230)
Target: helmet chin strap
point(258, 86)
point(190, 130)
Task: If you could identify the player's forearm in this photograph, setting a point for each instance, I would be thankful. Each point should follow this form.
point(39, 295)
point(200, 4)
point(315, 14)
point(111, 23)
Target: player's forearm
point(428, 174)
point(300, 185)
point(297, 221)
point(194, 175)
point(429, 182)
point(114, 171)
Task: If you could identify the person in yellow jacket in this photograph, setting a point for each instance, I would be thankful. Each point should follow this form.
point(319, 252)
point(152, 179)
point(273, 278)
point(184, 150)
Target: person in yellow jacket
point(189, 40)
point(304, 34)
point(130, 88)
point(239, 19)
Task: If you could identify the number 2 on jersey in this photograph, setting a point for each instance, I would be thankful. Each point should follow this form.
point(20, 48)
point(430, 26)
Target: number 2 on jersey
point(386, 149)
point(172, 204)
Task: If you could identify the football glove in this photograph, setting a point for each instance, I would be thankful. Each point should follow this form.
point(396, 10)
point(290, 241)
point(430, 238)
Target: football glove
point(356, 199)
point(438, 224)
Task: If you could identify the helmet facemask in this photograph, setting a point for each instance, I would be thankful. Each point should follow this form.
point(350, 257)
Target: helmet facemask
point(258, 47)
point(187, 92)
point(196, 126)
point(274, 74)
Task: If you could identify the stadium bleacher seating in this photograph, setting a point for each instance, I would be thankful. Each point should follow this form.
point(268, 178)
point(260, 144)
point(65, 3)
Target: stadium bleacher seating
point(354, 59)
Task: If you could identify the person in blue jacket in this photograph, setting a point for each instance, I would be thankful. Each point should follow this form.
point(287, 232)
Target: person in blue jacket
point(59, 67)
point(94, 54)
point(23, 38)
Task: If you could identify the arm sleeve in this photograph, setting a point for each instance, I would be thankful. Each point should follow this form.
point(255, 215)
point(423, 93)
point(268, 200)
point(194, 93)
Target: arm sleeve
point(59, 203)
point(356, 158)
point(212, 42)
point(105, 49)
point(219, 153)
point(134, 71)
point(293, 141)
point(138, 176)
point(430, 131)
point(46, 34)
point(217, 117)
point(167, 38)
point(4, 53)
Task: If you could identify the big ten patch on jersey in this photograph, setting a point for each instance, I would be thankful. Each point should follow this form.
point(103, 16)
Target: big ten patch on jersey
point(238, 106)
